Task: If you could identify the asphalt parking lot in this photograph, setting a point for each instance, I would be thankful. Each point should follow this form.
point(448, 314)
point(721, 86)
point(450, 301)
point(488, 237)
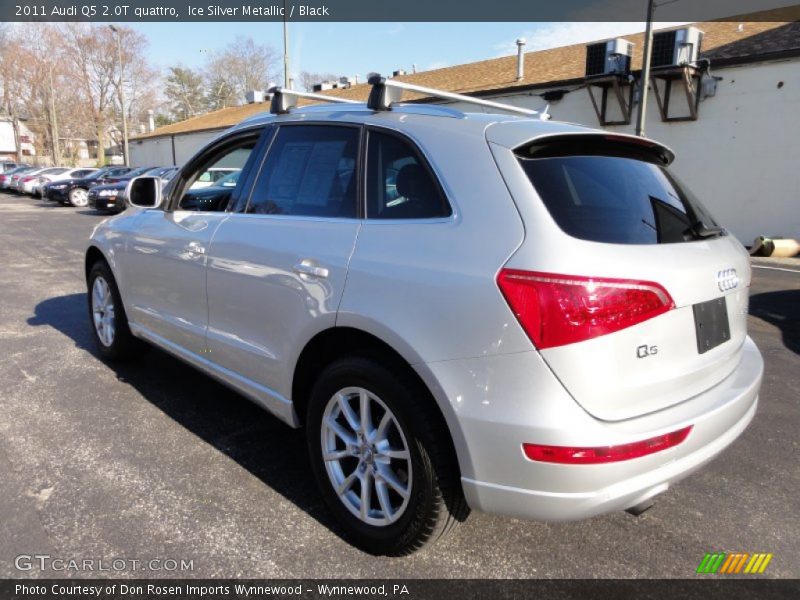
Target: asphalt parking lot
point(154, 460)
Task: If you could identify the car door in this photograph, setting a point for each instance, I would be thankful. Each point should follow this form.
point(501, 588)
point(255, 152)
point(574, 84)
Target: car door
point(165, 253)
point(277, 266)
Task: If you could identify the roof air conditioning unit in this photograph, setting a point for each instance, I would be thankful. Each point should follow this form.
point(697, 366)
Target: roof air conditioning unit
point(608, 58)
point(254, 97)
point(678, 47)
point(323, 85)
point(345, 82)
point(398, 73)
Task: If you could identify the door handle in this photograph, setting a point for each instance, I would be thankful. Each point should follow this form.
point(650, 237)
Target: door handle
point(309, 267)
point(195, 248)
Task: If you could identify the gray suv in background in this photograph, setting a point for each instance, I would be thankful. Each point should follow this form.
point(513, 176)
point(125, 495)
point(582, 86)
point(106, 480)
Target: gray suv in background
point(464, 310)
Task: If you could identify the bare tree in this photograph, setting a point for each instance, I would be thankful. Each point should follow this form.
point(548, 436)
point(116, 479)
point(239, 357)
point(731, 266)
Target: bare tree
point(241, 66)
point(220, 93)
point(95, 67)
point(95, 78)
point(10, 55)
point(139, 83)
point(30, 75)
point(307, 80)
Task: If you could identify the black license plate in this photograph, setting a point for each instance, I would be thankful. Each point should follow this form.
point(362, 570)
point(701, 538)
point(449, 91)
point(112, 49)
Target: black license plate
point(711, 324)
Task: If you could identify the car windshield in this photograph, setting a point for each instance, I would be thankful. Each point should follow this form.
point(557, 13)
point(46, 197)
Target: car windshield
point(99, 173)
point(157, 171)
point(139, 171)
point(229, 180)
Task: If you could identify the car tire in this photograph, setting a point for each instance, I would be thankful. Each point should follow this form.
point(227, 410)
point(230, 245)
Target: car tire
point(79, 197)
point(422, 461)
point(112, 336)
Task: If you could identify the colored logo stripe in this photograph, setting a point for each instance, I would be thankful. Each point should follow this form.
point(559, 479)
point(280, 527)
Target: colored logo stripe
point(711, 562)
point(734, 563)
point(758, 564)
point(721, 562)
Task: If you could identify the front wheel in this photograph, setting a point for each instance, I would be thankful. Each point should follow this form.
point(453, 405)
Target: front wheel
point(382, 458)
point(112, 335)
point(79, 197)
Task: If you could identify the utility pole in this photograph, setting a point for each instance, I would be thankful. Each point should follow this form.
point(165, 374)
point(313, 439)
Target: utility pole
point(644, 84)
point(121, 90)
point(286, 80)
point(17, 136)
point(54, 121)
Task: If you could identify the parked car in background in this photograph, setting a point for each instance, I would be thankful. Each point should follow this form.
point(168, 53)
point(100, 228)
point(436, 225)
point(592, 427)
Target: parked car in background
point(30, 181)
point(5, 178)
point(76, 191)
point(110, 198)
point(212, 176)
point(208, 198)
point(115, 176)
point(5, 167)
point(76, 173)
point(15, 185)
point(13, 176)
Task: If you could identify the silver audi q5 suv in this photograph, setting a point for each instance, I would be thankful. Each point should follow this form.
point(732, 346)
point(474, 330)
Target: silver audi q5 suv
point(464, 311)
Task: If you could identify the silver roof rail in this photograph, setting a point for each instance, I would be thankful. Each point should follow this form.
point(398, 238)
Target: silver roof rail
point(283, 100)
point(386, 92)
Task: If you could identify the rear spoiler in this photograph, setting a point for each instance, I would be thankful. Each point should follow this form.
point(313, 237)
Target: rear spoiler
point(596, 144)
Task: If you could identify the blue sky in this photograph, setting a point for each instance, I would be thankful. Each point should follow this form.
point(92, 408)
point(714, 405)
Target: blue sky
point(359, 48)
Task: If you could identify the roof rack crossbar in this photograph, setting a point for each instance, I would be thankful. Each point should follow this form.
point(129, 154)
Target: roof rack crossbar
point(283, 100)
point(386, 92)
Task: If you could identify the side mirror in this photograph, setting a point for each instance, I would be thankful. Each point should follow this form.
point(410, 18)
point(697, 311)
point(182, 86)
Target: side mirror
point(144, 192)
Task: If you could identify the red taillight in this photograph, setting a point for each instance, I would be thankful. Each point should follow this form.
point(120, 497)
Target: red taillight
point(555, 310)
point(26, 179)
point(567, 455)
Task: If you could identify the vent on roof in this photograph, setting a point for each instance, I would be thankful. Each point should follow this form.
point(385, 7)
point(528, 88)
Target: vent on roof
point(678, 47)
point(254, 96)
point(611, 57)
point(398, 73)
point(325, 85)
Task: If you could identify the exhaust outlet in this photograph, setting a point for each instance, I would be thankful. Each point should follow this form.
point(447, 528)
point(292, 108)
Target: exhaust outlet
point(637, 510)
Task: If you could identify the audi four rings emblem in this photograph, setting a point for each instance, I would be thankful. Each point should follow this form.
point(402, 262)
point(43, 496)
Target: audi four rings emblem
point(727, 280)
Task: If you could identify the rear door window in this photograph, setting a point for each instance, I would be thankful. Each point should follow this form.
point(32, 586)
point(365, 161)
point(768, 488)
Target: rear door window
point(310, 170)
point(617, 199)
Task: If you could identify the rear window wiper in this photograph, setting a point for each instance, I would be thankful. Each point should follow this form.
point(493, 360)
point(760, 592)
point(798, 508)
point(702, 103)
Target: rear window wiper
point(700, 230)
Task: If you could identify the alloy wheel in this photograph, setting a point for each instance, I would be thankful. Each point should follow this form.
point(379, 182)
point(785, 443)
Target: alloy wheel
point(366, 456)
point(79, 197)
point(103, 311)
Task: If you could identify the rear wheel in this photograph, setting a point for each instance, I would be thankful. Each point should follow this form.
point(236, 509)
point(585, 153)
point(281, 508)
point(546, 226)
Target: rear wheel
point(79, 197)
point(382, 458)
point(112, 335)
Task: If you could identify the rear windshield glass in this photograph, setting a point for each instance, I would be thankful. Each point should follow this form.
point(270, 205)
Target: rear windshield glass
point(619, 200)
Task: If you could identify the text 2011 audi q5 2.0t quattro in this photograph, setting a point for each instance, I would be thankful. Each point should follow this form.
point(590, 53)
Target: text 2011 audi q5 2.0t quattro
point(463, 310)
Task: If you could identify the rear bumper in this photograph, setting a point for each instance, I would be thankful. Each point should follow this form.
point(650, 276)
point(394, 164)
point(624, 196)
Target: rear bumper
point(498, 478)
